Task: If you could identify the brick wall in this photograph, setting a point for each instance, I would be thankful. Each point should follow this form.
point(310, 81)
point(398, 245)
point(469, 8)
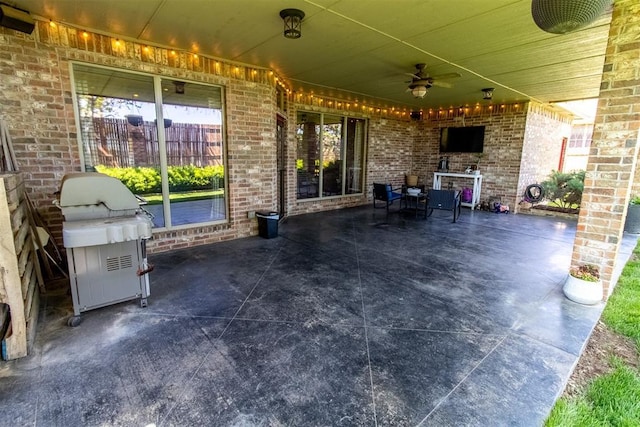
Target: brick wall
point(36, 103)
point(390, 151)
point(614, 149)
point(542, 145)
point(503, 144)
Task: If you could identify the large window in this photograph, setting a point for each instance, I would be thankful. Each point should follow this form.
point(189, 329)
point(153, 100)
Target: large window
point(177, 167)
point(330, 155)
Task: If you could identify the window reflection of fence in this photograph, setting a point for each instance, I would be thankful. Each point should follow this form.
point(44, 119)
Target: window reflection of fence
point(116, 142)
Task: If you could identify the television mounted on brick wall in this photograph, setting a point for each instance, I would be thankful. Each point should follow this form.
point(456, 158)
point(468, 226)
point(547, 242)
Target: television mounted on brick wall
point(462, 139)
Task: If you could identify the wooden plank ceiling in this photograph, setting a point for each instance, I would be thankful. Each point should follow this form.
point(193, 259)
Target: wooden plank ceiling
point(365, 48)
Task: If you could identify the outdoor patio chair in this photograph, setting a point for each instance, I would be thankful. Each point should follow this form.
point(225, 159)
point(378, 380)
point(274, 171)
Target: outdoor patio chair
point(384, 193)
point(444, 199)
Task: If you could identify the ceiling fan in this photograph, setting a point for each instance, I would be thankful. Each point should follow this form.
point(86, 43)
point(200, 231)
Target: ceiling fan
point(421, 81)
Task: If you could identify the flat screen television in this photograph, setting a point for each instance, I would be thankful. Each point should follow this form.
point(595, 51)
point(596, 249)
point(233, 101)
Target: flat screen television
point(462, 139)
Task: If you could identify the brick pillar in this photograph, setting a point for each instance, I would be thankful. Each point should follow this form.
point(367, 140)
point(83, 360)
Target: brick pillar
point(614, 148)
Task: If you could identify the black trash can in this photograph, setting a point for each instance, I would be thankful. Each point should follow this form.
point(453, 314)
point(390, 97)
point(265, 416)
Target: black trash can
point(268, 224)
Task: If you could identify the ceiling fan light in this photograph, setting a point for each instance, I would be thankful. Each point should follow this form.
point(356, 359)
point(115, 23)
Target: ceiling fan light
point(292, 23)
point(419, 91)
point(564, 16)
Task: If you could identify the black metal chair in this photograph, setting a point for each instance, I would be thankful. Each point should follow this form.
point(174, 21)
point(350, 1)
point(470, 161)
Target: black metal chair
point(384, 193)
point(445, 200)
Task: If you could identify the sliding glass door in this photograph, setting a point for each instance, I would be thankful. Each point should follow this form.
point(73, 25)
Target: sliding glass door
point(163, 138)
point(330, 155)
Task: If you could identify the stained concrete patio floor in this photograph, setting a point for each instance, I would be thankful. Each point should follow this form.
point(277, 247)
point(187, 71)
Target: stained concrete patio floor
point(348, 318)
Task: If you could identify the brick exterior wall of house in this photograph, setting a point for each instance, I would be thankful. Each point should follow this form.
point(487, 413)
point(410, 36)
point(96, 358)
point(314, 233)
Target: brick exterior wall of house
point(390, 152)
point(542, 145)
point(503, 147)
point(36, 102)
point(613, 156)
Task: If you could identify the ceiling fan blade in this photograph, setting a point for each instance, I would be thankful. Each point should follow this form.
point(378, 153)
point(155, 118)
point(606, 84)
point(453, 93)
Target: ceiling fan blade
point(447, 76)
point(441, 84)
point(415, 76)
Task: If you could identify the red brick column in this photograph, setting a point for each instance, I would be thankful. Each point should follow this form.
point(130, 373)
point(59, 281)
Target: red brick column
point(614, 149)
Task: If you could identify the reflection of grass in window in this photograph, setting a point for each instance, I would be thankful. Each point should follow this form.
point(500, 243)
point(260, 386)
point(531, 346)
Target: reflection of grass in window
point(187, 196)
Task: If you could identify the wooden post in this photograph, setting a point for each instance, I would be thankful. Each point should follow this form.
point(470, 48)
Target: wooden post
point(14, 345)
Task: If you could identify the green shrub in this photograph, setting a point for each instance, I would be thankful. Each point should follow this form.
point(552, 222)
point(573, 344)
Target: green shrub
point(146, 180)
point(140, 180)
point(564, 188)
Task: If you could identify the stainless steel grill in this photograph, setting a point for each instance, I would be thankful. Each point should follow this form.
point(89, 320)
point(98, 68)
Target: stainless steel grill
point(105, 233)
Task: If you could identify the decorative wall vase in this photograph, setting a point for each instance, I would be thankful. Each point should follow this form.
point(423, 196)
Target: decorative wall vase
point(582, 291)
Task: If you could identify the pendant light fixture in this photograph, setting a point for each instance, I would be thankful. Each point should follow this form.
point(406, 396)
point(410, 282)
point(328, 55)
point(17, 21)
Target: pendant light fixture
point(292, 22)
point(487, 93)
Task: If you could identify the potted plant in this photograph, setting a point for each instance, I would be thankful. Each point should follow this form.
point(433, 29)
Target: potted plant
point(411, 180)
point(632, 221)
point(583, 284)
point(134, 119)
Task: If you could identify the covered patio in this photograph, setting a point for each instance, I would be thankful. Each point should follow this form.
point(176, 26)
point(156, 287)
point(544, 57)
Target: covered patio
point(349, 317)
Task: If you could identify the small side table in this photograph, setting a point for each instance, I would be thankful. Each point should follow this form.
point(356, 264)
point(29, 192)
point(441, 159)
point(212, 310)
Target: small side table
point(415, 203)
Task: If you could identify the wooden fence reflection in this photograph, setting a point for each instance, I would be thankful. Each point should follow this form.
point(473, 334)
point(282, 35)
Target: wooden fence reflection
point(133, 142)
